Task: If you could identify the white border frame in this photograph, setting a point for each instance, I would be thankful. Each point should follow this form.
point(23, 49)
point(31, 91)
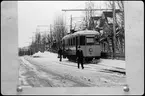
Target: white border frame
point(134, 47)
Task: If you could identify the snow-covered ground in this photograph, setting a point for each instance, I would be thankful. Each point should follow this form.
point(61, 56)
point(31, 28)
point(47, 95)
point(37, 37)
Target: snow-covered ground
point(47, 71)
point(107, 62)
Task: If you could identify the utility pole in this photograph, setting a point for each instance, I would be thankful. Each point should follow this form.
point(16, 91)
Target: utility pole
point(114, 30)
point(86, 22)
point(71, 23)
point(37, 39)
point(123, 27)
point(50, 36)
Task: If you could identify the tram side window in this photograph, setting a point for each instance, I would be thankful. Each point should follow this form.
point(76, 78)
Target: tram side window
point(76, 41)
point(70, 42)
point(73, 41)
point(82, 40)
point(65, 42)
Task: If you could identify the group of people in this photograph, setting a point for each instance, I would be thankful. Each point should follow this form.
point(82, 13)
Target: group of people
point(79, 55)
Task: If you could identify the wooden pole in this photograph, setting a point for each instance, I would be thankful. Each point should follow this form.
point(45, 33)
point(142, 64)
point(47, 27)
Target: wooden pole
point(71, 23)
point(123, 41)
point(114, 30)
point(50, 36)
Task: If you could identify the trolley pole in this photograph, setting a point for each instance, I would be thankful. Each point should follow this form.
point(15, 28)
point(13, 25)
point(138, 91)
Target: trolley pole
point(114, 31)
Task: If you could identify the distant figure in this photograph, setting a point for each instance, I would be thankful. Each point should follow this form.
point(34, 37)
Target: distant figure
point(80, 57)
point(60, 54)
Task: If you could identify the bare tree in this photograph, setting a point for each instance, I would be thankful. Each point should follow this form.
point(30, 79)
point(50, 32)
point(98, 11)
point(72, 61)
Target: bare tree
point(36, 44)
point(88, 14)
point(119, 15)
point(120, 46)
point(59, 29)
point(48, 41)
point(44, 42)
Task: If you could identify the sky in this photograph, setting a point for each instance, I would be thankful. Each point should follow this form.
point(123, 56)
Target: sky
point(33, 13)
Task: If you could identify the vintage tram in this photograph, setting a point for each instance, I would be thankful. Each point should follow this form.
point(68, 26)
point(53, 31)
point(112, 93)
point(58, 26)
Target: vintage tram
point(88, 40)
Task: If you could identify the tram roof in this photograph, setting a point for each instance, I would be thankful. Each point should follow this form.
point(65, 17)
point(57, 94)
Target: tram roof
point(84, 32)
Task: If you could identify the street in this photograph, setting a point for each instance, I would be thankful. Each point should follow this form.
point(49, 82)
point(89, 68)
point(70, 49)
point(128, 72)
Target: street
point(47, 71)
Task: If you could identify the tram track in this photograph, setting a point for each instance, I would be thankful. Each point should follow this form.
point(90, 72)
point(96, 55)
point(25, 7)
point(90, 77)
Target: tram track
point(60, 78)
point(33, 79)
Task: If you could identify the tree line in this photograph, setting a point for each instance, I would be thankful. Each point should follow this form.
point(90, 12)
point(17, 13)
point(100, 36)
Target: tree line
point(47, 41)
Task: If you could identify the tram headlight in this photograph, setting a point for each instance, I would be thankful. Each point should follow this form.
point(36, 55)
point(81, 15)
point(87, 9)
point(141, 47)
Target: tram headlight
point(90, 50)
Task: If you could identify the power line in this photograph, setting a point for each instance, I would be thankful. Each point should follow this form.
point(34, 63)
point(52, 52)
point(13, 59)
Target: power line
point(87, 9)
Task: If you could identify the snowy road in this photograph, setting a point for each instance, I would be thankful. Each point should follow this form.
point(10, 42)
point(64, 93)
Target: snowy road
point(47, 71)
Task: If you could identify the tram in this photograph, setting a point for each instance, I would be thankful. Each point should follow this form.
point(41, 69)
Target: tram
point(87, 40)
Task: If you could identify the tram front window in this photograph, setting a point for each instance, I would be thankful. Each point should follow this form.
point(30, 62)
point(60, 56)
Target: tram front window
point(82, 40)
point(90, 41)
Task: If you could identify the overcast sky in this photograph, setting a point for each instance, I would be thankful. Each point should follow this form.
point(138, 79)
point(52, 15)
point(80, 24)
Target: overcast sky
point(33, 13)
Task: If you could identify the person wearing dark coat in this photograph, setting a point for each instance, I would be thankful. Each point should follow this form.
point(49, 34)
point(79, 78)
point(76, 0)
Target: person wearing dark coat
point(60, 54)
point(80, 57)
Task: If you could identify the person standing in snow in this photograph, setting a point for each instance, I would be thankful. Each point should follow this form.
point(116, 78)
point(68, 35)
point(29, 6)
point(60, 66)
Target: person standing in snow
point(79, 55)
point(60, 54)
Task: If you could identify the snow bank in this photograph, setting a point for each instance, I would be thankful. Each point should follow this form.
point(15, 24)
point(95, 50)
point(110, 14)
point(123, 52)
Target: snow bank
point(37, 54)
point(113, 63)
point(45, 54)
